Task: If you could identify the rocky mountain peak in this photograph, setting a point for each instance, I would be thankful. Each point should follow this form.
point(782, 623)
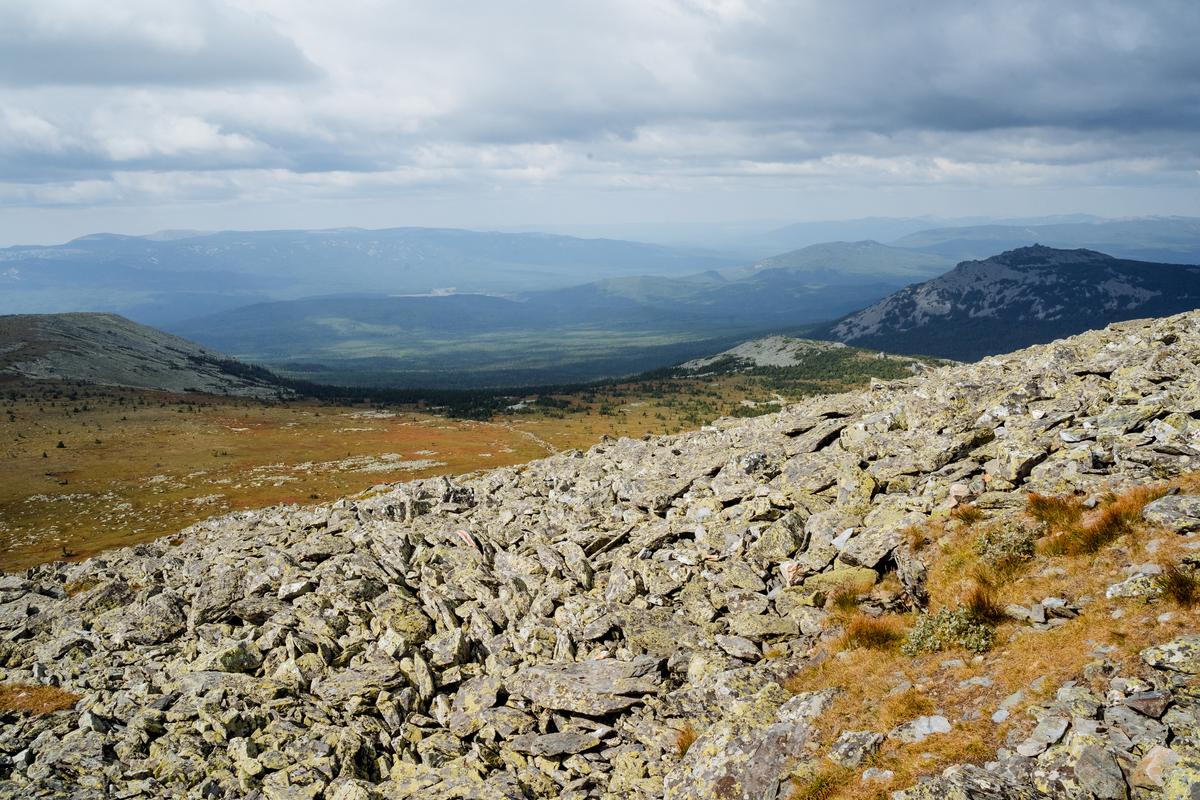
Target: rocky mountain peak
point(1020, 297)
point(713, 614)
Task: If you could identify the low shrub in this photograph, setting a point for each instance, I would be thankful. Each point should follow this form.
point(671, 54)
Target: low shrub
point(1004, 547)
point(948, 628)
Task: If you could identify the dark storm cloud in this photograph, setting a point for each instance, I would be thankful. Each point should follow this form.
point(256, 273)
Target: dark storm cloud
point(303, 98)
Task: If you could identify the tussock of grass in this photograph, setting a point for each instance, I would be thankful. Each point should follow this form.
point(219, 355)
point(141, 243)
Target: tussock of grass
point(905, 707)
point(914, 535)
point(967, 514)
point(1118, 516)
point(982, 603)
point(25, 698)
point(684, 739)
point(843, 600)
point(821, 783)
point(1180, 586)
point(1056, 513)
point(882, 633)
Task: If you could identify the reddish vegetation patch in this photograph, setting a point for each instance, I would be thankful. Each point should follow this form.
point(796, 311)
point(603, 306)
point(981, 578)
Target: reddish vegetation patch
point(22, 698)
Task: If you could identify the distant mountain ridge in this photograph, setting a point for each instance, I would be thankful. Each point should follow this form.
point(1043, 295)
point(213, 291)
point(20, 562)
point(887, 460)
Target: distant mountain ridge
point(1173, 240)
point(1021, 297)
point(110, 350)
point(175, 275)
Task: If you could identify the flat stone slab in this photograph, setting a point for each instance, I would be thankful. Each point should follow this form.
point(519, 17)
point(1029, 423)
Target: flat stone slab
point(589, 687)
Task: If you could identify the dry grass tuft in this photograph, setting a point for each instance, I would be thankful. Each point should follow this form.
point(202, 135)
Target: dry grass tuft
point(684, 739)
point(1180, 586)
point(873, 633)
point(917, 536)
point(843, 600)
point(1118, 516)
point(904, 707)
point(22, 698)
point(823, 782)
point(967, 514)
point(1056, 513)
point(982, 602)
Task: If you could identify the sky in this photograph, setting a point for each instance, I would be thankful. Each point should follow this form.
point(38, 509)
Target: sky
point(137, 115)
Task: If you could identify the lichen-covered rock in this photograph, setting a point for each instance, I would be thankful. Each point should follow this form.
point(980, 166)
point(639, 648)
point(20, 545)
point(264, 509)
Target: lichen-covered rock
point(595, 688)
point(1180, 512)
point(751, 750)
point(1180, 655)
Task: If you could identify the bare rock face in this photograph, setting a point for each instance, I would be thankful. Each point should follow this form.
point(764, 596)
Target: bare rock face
point(612, 624)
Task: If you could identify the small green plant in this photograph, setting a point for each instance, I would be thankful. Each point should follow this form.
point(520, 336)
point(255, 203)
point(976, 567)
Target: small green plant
point(1004, 549)
point(1180, 586)
point(957, 627)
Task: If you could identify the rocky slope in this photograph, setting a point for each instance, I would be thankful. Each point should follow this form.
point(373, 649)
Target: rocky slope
point(784, 351)
point(1018, 298)
point(659, 618)
point(110, 350)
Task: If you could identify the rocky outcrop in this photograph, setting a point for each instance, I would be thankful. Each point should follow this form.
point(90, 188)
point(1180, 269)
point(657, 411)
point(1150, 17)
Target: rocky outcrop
point(619, 623)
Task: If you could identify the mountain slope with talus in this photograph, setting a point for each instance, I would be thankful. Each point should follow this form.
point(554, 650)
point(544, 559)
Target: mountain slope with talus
point(782, 607)
point(1021, 297)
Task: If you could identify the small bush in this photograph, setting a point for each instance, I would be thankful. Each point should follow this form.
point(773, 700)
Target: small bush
point(1180, 586)
point(872, 633)
point(917, 536)
point(948, 628)
point(967, 514)
point(1003, 547)
point(684, 739)
point(24, 698)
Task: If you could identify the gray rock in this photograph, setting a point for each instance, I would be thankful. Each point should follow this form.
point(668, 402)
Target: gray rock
point(589, 687)
point(1179, 512)
point(854, 747)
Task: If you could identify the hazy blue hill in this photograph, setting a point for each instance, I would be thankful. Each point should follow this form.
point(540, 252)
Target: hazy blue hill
point(1022, 297)
point(150, 276)
point(1174, 240)
point(850, 262)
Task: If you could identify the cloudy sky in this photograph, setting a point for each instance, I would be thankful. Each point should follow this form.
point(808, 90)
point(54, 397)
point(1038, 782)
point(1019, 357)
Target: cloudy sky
point(137, 115)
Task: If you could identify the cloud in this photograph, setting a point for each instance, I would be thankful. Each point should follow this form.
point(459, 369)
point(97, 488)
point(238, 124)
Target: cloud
point(142, 42)
point(254, 101)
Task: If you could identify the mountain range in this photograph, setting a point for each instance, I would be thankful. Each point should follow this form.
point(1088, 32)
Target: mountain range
point(175, 275)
